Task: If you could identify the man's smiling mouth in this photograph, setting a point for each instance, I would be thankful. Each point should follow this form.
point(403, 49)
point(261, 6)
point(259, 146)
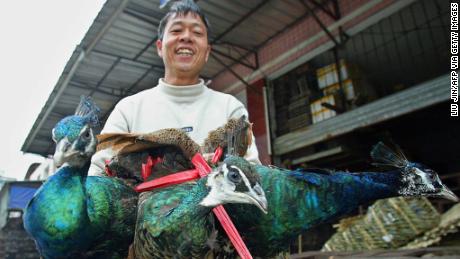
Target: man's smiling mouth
point(185, 52)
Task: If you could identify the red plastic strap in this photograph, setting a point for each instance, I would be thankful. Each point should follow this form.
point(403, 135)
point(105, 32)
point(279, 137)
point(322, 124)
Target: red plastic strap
point(168, 180)
point(217, 155)
point(200, 164)
point(232, 232)
point(107, 169)
point(203, 169)
point(147, 168)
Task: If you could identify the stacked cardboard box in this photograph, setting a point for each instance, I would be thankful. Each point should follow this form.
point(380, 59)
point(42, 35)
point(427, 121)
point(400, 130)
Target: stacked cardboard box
point(328, 76)
point(353, 86)
point(319, 112)
point(348, 86)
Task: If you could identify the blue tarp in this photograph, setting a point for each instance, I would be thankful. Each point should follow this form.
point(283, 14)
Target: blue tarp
point(20, 196)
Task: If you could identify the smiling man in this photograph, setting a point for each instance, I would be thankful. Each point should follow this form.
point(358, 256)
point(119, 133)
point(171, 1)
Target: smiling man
point(181, 99)
point(183, 44)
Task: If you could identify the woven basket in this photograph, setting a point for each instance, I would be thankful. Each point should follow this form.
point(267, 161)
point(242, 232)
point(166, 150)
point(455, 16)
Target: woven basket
point(450, 224)
point(389, 223)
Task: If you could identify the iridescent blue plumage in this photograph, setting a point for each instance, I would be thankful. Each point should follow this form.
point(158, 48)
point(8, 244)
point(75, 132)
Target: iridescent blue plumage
point(300, 200)
point(297, 201)
point(176, 221)
point(78, 216)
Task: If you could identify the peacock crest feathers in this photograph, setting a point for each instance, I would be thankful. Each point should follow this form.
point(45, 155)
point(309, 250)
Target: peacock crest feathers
point(88, 110)
point(86, 114)
point(384, 156)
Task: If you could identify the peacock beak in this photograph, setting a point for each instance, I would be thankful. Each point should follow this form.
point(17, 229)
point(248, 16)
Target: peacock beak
point(61, 154)
point(446, 193)
point(258, 198)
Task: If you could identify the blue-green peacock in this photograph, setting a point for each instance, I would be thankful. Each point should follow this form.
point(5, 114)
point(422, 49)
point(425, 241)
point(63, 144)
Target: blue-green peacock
point(299, 200)
point(173, 223)
point(75, 216)
point(78, 216)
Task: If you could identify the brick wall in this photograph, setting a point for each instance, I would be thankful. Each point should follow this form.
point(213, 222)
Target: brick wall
point(298, 40)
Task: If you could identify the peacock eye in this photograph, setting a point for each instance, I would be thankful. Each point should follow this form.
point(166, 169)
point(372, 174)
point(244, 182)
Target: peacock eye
point(86, 134)
point(234, 176)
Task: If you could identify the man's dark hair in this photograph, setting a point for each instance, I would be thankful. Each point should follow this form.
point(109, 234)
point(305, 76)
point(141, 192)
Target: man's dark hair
point(183, 7)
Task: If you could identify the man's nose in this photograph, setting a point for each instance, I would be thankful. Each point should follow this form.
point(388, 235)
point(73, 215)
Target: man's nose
point(186, 36)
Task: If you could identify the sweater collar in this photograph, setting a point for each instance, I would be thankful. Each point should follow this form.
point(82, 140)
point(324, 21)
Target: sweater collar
point(182, 92)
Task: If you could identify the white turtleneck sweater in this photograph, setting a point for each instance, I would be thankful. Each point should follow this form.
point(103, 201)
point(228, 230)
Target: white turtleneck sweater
point(195, 108)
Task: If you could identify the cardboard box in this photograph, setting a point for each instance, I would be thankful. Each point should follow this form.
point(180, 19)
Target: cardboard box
point(327, 75)
point(319, 112)
point(349, 87)
point(353, 89)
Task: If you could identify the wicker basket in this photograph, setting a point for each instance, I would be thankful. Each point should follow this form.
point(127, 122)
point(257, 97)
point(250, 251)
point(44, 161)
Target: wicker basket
point(389, 223)
point(450, 224)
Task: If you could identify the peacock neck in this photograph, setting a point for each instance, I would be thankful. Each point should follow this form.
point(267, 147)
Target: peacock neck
point(197, 194)
point(69, 181)
point(381, 185)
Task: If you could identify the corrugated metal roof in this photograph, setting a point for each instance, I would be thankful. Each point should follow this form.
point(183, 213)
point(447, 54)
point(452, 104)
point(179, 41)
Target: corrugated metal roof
point(117, 56)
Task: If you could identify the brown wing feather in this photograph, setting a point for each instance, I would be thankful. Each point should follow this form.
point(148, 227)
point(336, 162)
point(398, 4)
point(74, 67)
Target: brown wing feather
point(174, 146)
point(123, 143)
point(160, 138)
point(240, 130)
point(115, 141)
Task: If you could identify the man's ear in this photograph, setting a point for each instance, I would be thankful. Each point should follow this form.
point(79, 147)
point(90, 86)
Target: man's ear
point(159, 44)
point(208, 51)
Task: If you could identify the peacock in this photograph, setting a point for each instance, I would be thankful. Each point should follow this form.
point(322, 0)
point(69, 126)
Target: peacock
point(172, 221)
point(70, 216)
point(74, 215)
point(301, 199)
point(175, 222)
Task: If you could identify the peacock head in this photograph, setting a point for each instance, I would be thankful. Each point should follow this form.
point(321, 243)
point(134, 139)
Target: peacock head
point(74, 135)
point(235, 181)
point(416, 179)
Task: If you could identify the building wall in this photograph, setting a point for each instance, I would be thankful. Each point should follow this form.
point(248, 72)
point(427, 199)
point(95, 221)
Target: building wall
point(295, 46)
point(302, 40)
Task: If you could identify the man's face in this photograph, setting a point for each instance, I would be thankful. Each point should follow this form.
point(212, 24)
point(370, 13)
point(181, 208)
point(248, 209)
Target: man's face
point(184, 48)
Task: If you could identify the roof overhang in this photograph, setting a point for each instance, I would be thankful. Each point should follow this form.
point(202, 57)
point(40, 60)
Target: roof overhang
point(117, 56)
